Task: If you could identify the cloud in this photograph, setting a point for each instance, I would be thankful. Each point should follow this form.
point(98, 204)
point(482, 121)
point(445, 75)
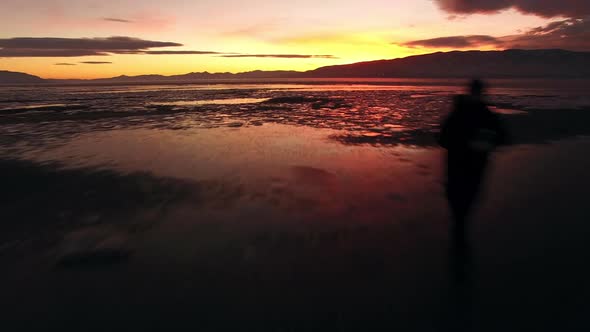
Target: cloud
point(46, 53)
point(284, 56)
point(110, 44)
point(181, 52)
point(72, 47)
point(545, 8)
point(64, 64)
point(571, 34)
point(96, 62)
point(80, 47)
point(118, 20)
point(454, 42)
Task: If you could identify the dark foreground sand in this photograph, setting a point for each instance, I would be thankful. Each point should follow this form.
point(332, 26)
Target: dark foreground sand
point(348, 238)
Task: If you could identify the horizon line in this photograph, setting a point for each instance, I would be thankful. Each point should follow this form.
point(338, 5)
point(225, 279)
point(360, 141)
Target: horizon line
point(294, 71)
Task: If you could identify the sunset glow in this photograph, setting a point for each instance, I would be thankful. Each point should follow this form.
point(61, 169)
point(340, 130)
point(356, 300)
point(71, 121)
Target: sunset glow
point(257, 35)
point(302, 165)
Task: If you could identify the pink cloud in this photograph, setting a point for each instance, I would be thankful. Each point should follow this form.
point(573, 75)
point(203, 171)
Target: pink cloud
point(545, 8)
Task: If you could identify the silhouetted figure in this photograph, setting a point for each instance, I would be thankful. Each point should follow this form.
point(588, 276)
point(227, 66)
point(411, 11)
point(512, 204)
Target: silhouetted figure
point(469, 133)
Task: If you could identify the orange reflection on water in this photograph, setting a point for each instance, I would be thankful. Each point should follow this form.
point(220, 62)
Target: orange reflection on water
point(298, 169)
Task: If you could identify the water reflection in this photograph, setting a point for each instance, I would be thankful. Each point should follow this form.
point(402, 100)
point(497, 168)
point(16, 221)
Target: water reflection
point(376, 114)
point(461, 268)
point(274, 166)
point(230, 101)
point(324, 195)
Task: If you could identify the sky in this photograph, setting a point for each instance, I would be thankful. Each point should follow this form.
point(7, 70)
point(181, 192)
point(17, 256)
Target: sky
point(92, 38)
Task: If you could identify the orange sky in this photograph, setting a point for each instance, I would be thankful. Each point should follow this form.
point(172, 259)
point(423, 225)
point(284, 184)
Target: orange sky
point(349, 31)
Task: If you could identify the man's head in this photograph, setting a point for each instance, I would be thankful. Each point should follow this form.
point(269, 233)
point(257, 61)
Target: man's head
point(476, 87)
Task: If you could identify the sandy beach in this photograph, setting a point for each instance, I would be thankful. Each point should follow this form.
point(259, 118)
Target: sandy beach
point(309, 241)
point(254, 219)
point(295, 166)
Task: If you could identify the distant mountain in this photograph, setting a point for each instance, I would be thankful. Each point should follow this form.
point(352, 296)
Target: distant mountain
point(258, 74)
point(456, 64)
point(11, 77)
point(488, 64)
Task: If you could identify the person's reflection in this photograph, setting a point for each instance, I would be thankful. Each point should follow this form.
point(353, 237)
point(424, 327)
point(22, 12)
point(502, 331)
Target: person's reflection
point(461, 290)
point(469, 134)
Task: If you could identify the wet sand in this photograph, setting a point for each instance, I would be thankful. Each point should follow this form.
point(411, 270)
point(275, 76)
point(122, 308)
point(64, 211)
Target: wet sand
point(286, 208)
point(285, 228)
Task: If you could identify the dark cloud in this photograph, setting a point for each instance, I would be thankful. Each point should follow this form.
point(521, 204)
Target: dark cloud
point(570, 34)
point(546, 8)
point(118, 20)
point(71, 47)
point(284, 56)
point(454, 41)
point(46, 53)
point(110, 44)
point(64, 64)
point(96, 62)
point(181, 52)
point(78, 47)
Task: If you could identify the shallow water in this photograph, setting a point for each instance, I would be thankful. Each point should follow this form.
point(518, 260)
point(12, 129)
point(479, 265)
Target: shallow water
point(316, 203)
point(380, 112)
point(229, 101)
point(354, 151)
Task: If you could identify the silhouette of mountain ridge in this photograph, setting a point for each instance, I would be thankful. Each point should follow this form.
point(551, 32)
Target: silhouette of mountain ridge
point(551, 63)
point(514, 63)
point(13, 77)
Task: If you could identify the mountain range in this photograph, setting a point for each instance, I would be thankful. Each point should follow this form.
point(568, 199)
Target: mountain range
point(552, 63)
point(11, 77)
